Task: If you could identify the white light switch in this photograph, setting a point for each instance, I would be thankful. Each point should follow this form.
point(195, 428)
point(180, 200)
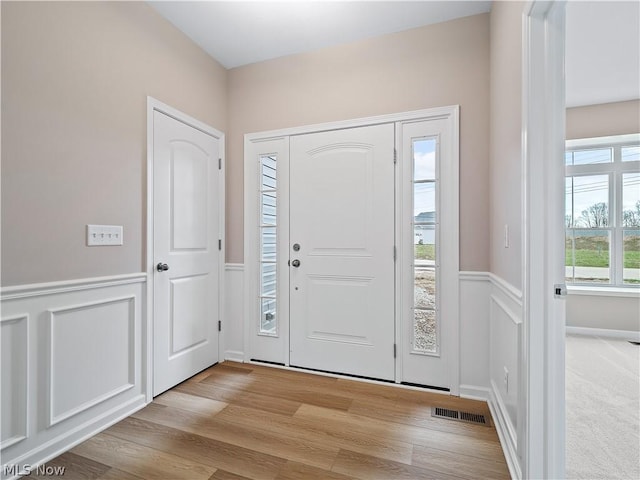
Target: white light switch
point(100, 235)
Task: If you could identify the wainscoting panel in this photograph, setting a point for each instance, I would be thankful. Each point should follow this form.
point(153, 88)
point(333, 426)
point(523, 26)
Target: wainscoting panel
point(15, 352)
point(233, 321)
point(73, 365)
point(475, 288)
point(505, 366)
point(108, 329)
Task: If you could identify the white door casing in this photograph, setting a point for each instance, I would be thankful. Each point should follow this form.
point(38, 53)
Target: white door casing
point(186, 232)
point(342, 217)
point(276, 348)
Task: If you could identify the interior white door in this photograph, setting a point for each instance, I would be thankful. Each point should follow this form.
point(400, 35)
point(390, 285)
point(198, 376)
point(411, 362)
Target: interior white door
point(342, 251)
point(186, 233)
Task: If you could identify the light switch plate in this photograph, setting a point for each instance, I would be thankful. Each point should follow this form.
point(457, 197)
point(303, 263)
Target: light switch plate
point(101, 235)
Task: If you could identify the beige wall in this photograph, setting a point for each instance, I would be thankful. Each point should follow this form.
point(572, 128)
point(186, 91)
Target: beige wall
point(505, 141)
point(603, 120)
point(433, 66)
point(75, 77)
point(598, 311)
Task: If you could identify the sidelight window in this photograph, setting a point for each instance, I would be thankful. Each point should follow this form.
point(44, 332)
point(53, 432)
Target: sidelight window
point(268, 236)
point(425, 189)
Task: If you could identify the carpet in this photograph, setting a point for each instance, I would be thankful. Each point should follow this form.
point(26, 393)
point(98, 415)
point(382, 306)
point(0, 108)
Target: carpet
point(603, 408)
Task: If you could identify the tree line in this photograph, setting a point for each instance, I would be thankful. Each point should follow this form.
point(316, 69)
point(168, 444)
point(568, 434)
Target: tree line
point(597, 216)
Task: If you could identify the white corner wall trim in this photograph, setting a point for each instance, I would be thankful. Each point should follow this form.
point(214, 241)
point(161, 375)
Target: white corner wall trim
point(474, 392)
point(472, 276)
point(605, 333)
point(73, 363)
point(506, 432)
point(234, 356)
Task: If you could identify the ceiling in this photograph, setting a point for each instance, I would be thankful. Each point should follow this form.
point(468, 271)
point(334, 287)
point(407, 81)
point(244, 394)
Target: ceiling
point(603, 37)
point(237, 33)
point(602, 52)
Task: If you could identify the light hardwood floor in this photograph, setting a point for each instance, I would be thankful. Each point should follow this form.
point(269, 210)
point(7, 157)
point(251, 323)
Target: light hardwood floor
point(236, 421)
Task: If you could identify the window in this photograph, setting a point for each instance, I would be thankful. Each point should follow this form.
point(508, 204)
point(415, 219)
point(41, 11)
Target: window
point(424, 230)
point(268, 266)
point(602, 211)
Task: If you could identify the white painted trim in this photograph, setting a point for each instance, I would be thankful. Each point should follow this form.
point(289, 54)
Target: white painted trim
point(605, 333)
point(504, 428)
point(130, 299)
point(604, 291)
point(66, 286)
point(58, 445)
point(595, 141)
point(431, 113)
point(513, 316)
point(475, 392)
point(156, 105)
point(234, 267)
point(541, 408)
point(507, 288)
point(234, 356)
point(26, 423)
point(471, 276)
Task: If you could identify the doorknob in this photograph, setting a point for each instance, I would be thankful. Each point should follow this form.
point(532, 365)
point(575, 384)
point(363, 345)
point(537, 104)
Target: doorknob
point(295, 263)
point(162, 267)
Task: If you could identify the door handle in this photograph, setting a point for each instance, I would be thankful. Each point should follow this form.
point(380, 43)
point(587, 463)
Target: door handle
point(162, 267)
point(295, 263)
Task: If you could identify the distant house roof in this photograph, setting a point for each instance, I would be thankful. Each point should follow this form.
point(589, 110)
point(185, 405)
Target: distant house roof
point(425, 217)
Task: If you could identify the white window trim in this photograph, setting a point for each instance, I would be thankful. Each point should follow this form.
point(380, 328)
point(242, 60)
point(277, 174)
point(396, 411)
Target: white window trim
point(614, 169)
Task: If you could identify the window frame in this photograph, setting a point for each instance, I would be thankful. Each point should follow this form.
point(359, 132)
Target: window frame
point(615, 171)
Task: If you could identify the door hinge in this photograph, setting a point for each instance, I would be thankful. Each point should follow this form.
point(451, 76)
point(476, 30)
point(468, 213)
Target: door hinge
point(220, 164)
point(219, 244)
point(395, 156)
point(219, 325)
point(395, 253)
point(395, 350)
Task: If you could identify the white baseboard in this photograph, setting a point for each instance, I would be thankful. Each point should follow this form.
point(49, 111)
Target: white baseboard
point(57, 446)
point(603, 332)
point(474, 392)
point(506, 432)
point(234, 356)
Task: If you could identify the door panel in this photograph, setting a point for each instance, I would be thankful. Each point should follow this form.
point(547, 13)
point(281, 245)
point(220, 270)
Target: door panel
point(186, 232)
point(342, 216)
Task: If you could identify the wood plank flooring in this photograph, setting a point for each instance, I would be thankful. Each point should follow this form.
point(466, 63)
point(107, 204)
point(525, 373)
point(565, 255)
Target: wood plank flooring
point(239, 421)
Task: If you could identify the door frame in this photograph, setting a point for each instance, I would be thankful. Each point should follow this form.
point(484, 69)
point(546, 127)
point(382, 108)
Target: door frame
point(154, 105)
point(251, 310)
point(542, 408)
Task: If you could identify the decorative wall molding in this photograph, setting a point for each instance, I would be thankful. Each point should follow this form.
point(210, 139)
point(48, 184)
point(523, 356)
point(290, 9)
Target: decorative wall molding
point(79, 379)
point(51, 288)
point(103, 314)
point(506, 432)
point(515, 317)
point(234, 267)
point(606, 333)
point(512, 292)
point(15, 357)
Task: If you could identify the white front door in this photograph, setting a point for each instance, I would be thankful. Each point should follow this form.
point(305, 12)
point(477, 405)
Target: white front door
point(341, 246)
point(186, 251)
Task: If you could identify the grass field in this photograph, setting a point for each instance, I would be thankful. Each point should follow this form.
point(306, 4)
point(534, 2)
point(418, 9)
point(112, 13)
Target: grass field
point(425, 252)
point(594, 252)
